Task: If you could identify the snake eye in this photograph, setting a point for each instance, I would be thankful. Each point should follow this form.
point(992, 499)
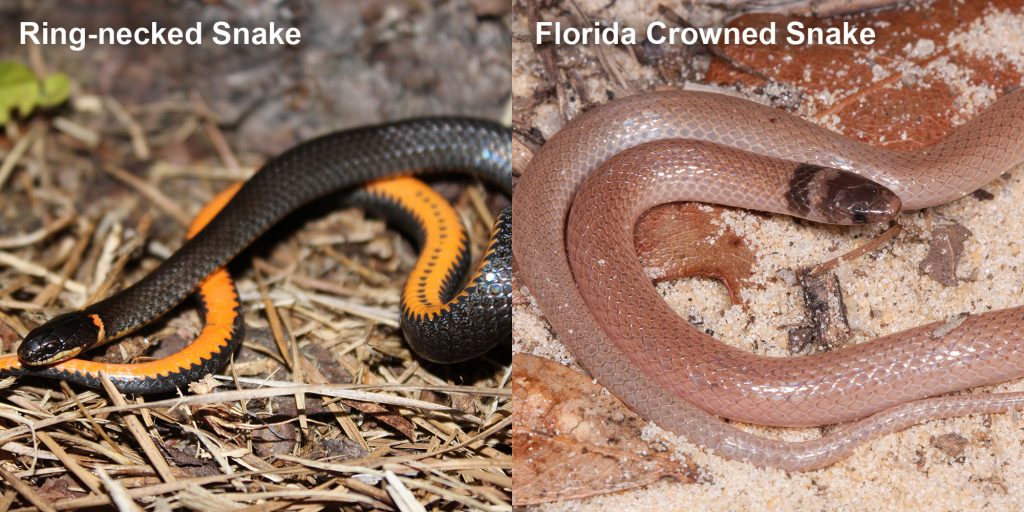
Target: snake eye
point(62, 337)
point(49, 345)
point(853, 199)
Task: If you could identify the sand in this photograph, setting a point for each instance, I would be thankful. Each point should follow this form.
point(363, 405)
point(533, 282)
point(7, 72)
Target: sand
point(884, 293)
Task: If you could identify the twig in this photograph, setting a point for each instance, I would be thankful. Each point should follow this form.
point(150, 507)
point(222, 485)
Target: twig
point(138, 136)
point(19, 305)
point(602, 56)
point(139, 432)
point(12, 158)
point(297, 373)
point(150, 192)
point(27, 267)
point(83, 134)
point(70, 265)
point(856, 253)
point(142, 232)
point(275, 322)
point(164, 488)
point(477, 199)
point(26, 491)
point(71, 463)
point(38, 235)
point(96, 427)
point(370, 275)
point(469, 390)
point(387, 317)
point(118, 495)
point(332, 390)
point(101, 272)
point(401, 494)
point(220, 143)
point(8, 497)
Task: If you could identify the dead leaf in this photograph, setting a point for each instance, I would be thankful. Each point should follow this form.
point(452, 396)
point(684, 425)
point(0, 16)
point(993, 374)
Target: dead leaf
point(340, 448)
point(944, 250)
point(386, 416)
point(689, 240)
point(187, 461)
point(951, 444)
point(274, 439)
point(949, 326)
point(326, 362)
point(204, 385)
point(827, 327)
point(574, 440)
point(907, 99)
point(60, 488)
point(983, 195)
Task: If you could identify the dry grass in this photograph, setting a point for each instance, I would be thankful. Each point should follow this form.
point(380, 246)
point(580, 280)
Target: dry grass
point(324, 407)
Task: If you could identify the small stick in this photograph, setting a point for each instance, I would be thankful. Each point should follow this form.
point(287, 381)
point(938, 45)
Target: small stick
point(348, 425)
point(101, 273)
point(118, 495)
point(158, 489)
point(26, 491)
point(402, 496)
point(142, 231)
point(602, 56)
point(380, 315)
point(139, 144)
point(131, 459)
point(163, 170)
point(220, 143)
point(139, 432)
point(33, 269)
point(275, 322)
point(19, 305)
point(297, 374)
point(370, 275)
point(71, 463)
point(83, 134)
point(8, 498)
point(38, 235)
point(12, 158)
point(477, 199)
point(70, 265)
point(150, 192)
point(99, 430)
point(858, 252)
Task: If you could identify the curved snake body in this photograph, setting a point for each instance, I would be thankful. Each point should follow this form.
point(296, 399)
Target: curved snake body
point(672, 146)
point(442, 322)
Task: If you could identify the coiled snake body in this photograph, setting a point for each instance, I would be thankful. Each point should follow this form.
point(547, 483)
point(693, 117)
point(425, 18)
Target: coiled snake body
point(442, 322)
point(574, 248)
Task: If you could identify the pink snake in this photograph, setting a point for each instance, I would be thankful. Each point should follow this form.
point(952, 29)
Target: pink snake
point(660, 147)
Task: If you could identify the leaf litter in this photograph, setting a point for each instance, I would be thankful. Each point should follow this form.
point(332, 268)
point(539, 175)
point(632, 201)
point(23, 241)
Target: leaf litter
point(324, 406)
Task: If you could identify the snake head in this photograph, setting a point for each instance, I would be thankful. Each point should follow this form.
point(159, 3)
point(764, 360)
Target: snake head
point(853, 199)
point(61, 338)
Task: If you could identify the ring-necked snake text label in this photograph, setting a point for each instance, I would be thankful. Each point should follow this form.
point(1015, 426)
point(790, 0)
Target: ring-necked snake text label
point(155, 34)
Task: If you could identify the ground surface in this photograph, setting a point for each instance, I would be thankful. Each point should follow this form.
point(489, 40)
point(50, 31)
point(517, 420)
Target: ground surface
point(95, 193)
point(959, 464)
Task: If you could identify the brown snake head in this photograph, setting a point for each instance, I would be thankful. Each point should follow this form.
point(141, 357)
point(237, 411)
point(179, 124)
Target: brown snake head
point(61, 338)
point(840, 197)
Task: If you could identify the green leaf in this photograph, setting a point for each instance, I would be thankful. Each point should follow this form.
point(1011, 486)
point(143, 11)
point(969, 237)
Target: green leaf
point(56, 89)
point(22, 91)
